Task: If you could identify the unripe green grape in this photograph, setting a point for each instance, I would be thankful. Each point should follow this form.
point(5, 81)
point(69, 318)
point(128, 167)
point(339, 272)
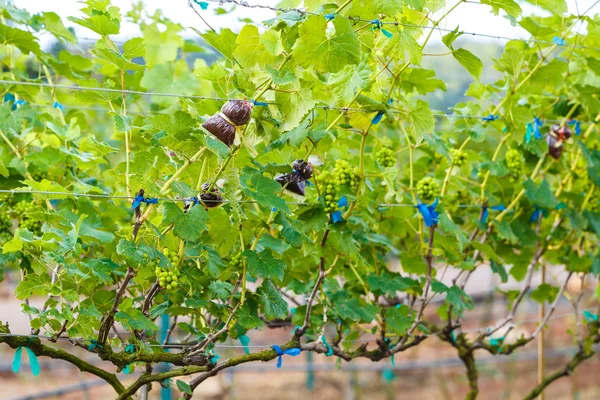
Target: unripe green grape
point(236, 260)
point(329, 189)
point(459, 157)
point(344, 174)
point(167, 278)
point(386, 158)
point(514, 163)
point(428, 188)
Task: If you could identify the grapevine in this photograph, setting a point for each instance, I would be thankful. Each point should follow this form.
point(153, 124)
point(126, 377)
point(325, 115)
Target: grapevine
point(514, 162)
point(386, 158)
point(428, 188)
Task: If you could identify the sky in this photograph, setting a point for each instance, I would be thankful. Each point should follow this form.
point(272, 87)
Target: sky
point(468, 16)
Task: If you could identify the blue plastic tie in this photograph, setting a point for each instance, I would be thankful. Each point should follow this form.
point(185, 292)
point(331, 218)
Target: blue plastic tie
point(245, 341)
point(139, 199)
point(294, 352)
point(215, 358)
point(329, 348)
point(9, 97)
point(485, 214)
point(343, 201)
point(17, 104)
point(577, 126)
point(528, 132)
point(590, 316)
point(336, 217)
point(453, 336)
point(130, 348)
point(561, 206)
point(329, 17)
point(536, 214)
point(94, 344)
point(430, 216)
point(293, 310)
point(559, 41)
point(537, 124)
point(127, 369)
point(496, 342)
point(490, 117)
point(59, 106)
point(379, 25)
point(203, 5)
point(33, 361)
point(377, 118)
point(387, 375)
point(260, 103)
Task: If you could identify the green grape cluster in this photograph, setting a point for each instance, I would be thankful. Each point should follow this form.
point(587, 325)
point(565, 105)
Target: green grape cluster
point(23, 210)
point(5, 237)
point(7, 198)
point(236, 260)
point(330, 190)
point(172, 256)
point(386, 157)
point(38, 175)
point(514, 162)
point(428, 188)
point(459, 157)
point(346, 175)
point(5, 219)
point(167, 278)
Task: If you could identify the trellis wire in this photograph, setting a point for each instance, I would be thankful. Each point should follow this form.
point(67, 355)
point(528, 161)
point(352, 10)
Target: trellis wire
point(225, 346)
point(179, 95)
point(185, 199)
point(300, 11)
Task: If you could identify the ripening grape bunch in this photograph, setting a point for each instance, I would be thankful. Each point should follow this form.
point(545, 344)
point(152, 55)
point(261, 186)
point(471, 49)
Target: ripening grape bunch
point(330, 190)
point(167, 278)
point(386, 158)
point(345, 174)
point(428, 188)
point(514, 162)
point(172, 256)
point(459, 157)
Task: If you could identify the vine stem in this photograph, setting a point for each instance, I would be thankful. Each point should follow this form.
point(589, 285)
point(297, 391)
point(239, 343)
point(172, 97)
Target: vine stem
point(127, 134)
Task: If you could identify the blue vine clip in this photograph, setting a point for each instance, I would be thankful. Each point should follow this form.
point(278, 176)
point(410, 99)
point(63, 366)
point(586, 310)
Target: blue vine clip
point(336, 216)
point(497, 342)
point(329, 348)
point(590, 316)
point(379, 25)
point(94, 344)
point(377, 118)
point(59, 106)
point(430, 216)
point(245, 341)
point(558, 41)
point(139, 199)
point(329, 17)
point(33, 361)
point(485, 214)
point(259, 103)
point(490, 117)
point(294, 352)
point(577, 126)
point(203, 5)
point(536, 214)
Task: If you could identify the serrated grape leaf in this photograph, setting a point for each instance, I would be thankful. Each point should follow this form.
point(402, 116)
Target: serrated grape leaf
point(544, 293)
point(283, 77)
point(94, 96)
point(470, 61)
point(53, 24)
point(557, 7)
point(449, 227)
point(289, 232)
point(541, 196)
point(188, 226)
point(294, 105)
point(262, 189)
point(420, 120)
point(250, 50)
point(314, 218)
point(184, 387)
point(135, 320)
point(413, 264)
point(264, 265)
point(33, 284)
point(23, 40)
point(346, 82)
point(328, 53)
point(272, 302)
point(271, 39)
point(102, 24)
point(398, 320)
point(133, 48)
point(509, 6)
point(505, 231)
point(390, 283)
point(161, 47)
point(224, 41)
point(487, 250)
point(499, 269)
